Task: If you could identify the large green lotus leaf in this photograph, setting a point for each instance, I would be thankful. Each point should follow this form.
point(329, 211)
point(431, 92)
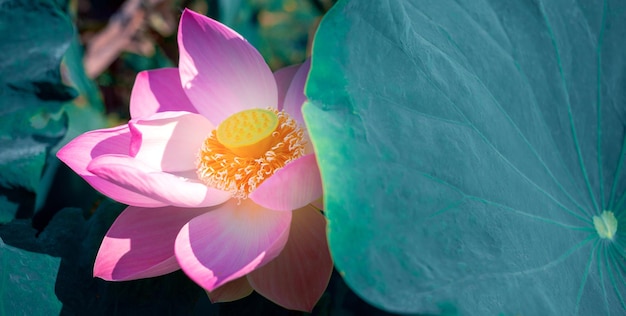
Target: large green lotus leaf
point(27, 282)
point(35, 34)
point(30, 263)
point(465, 148)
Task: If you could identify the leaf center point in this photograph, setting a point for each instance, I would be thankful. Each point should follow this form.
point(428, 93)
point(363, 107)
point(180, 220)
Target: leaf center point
point(606, 225)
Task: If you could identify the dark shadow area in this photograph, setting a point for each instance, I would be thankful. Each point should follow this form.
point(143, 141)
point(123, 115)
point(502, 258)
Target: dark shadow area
point(18, 200)
point(69, 190)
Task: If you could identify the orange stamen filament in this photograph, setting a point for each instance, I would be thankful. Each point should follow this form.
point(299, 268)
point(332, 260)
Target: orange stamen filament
point(247, 148)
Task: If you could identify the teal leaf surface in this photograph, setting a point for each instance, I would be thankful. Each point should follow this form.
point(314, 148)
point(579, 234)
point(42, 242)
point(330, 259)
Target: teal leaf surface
point(53, 267)
point(30, 265)
point(27, 282)
point(465, 148)
point(35, 35)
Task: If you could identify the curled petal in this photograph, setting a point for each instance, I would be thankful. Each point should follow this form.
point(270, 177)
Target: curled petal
point(231, 291)
point(230, 242)
point(182, 190)
point(140, 243)
point(220, 71)
point(78, 153)
point(294, 186)
point(283, 77)
point(158, 90)
point(169, 141)
point(298, 277)
point(295, 95)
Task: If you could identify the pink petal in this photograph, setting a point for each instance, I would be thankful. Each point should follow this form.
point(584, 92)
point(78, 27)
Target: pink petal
point(231, 291)
point(298, 277)
point(283, 77)
point(220, 71)
point(229, 242)
point(140, 243)
point(169, 141)
point(294, 186)
point(295, 95)
point(181, 189)
point(319, 203)
point(78, 153)
point(158, 90)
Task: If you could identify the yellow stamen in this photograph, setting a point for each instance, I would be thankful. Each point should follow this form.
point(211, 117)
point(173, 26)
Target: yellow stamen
point(247, 148)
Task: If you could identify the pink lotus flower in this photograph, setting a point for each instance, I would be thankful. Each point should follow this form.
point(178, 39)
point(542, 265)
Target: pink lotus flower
point(218, 172)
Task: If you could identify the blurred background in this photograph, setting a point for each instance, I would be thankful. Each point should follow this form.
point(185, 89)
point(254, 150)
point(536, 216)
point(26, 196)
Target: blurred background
point(121, 38)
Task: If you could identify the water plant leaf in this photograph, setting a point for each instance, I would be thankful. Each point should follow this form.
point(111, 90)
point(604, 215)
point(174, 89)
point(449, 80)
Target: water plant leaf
point(466, 149)
point(27, 277)
point(31, 91)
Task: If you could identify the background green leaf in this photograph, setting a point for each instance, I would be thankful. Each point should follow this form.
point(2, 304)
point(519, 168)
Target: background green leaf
point(27, 277)
point(35, 35)
point(465, 147)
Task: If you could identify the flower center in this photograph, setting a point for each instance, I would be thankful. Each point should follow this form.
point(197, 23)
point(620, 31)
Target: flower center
point(248, 133)
point(247, 148)
point(605, 224)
